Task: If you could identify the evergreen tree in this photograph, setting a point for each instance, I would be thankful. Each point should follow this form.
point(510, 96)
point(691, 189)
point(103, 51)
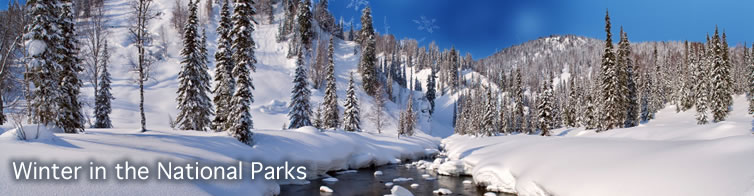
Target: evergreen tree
point(431, 92)
point(720, 93)
point(726, 74)
point(612, 112)
point(70, 118)
point(305, 24)
point(102, 107)
point(194, 105)
point(488, 122)
point(224, 82)
point(750, 70)
point(330, 116)
point(317, 118)
point(518, 111)
point(300, 110)
point(408, 118)
point(351, 118)
point(453, 70)
point(544, 108)
point(368, 53)
point(570, 113)
point(632, 102)
point(702, 88)
point(590, 119)
point(645, 101)
point(243, 57)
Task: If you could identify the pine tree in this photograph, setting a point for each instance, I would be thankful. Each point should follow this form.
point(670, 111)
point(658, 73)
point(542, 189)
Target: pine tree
point(645, 100)
point(702, 88)
point(544, 108)
point(726, 74)
point(488, 122)
point(431, 92)
point(330, 116)
point(42, 36)
point(408, 118)
point(224, 82)
point(590, 112)
point(632, 102)
point(300, 110)
point(70, 118)
point(194, 105)
point(102, 107)
point(351, 118)
point(368, 53)
point(570, 111)
point(720, 93)
point(317, 118)
point(518, 111)
point(243, 57)
point(610, 85)
point(657, 100)
point(453, 70)
point(750, 70)
point(305, 24)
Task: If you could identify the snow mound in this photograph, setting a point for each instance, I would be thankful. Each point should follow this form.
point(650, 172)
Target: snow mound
point(467, 182)
point(451, 168)
point(414, 185)
point(325, 189)
point(403, 179)
point(400, 191)
point(330, 179)
point(442, 191)
point(274, 107)
point(389, 184)
point(346, 172)
point(378, 173)
point(31, 133)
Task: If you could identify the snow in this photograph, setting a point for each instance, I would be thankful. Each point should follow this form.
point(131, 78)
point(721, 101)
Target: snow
point(400, 191)
point(36, 47)
point(330, 179)
point(402, 179)
point(325, 189)
point(378, 173)
point(346, 172)
point(414, 185)
point(670, 155)
point(442, 191)
point(388, 184)
point(467, 182)
point(490, 194)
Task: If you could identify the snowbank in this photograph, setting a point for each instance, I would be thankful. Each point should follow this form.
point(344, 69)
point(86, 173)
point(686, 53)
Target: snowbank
point(652, 159)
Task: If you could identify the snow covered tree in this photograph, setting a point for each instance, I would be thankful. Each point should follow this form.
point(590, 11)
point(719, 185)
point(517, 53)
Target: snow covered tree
point(431, 92)
point(243, 57)
point(377, 115)
point(194, 105)
point(224, 82)
point(612, 113)
point(408, 118)
point(544, 108)
point(330, 116)
point(70, 118)
point(317, 118)
point(702, 86)
point(453, 69)
point(569, 116)
point(631, 100)
point(42, 36)
point(143, 12)
point(102, 107)
point(720, 83)
point(305, 24)
point(488, 122)
point(300, 110)
point(590, 112)
point(368, 53)
point(518, 110)
point(351, 118)
point(750, 71)
point(645, 99)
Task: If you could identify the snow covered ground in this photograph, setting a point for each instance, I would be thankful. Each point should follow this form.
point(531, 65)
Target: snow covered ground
point(670, 155)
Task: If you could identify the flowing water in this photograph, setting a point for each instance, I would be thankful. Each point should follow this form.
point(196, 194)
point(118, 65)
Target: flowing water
point(364, 182)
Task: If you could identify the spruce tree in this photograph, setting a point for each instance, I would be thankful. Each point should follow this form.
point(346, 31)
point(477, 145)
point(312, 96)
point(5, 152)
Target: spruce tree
point(544, 108)
point(611, 97)
point(70, 118)
point(2, 114)
point(243, 57)
point(330, 116)
point(300, 110)
point(590, 112)
point(518, 110)
point(632, 102)
point(701, 73)
point(750, 67)
point(720, 93)
point(351, 118)
point(224, 82)
point(368, 53)
point(305, 24)
point(570, 113)
point(408, 118)
point(194, 105)
point(431, 92)
point(645, 100)
point(488, 122)
point(102, 107)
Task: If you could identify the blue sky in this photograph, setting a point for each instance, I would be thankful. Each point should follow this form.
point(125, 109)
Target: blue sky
point(482, 27)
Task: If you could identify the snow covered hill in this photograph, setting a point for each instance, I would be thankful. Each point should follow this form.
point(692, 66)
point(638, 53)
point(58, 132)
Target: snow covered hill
point(670, 155)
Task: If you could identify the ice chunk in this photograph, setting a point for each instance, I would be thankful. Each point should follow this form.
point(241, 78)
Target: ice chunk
point(400, 191)
point(378, 173)
point(330, 179)
point(442, 191)
point(325, 189)
point(402, 179)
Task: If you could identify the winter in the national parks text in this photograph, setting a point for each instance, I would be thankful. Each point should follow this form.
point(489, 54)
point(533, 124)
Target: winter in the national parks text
point(359, 97)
